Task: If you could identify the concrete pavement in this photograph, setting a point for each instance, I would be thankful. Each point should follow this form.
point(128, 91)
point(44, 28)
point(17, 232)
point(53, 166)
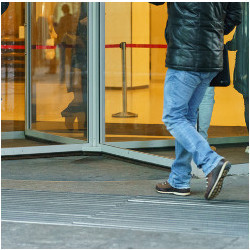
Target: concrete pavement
point(38, 211)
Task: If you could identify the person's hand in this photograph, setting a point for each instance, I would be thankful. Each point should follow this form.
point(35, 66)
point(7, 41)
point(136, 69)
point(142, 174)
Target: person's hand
point(84, 21)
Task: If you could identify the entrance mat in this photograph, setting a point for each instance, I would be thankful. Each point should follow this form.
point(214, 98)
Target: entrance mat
point(144, 213)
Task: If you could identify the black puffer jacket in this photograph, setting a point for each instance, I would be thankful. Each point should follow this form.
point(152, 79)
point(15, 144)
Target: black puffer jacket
point(195, 34)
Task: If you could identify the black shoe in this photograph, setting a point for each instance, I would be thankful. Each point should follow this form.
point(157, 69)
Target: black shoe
point(166, 188)
point(215, 179)
point(72, 109)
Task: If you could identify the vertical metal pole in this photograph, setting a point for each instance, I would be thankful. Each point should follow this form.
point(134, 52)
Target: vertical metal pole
point(102, 73)
point(93, 72)
point(124, 113)
point(27, 66)
point(124, 79)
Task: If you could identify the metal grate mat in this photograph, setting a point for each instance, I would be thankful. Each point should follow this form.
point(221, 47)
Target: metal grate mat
point(145, 213)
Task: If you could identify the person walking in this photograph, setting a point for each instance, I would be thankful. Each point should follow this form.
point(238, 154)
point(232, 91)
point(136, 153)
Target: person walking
point(194, 34)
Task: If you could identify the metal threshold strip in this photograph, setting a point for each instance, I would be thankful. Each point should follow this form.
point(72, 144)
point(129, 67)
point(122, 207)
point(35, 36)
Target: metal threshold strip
point(144, 213)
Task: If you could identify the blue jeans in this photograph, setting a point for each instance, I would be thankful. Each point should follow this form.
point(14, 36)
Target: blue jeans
point(205, 112)
point(183, 93)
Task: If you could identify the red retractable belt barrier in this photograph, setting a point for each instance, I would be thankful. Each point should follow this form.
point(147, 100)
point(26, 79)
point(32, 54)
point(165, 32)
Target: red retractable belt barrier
point(123, 46)
point(107, 46)
point(128, 45)
point(43, 46)
point(12, 47)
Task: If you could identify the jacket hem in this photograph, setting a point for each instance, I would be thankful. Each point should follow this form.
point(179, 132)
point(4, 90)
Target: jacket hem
point(183, 68)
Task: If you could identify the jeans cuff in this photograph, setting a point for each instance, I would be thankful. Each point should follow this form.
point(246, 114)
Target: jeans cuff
point(177, 186)
point(209, 170)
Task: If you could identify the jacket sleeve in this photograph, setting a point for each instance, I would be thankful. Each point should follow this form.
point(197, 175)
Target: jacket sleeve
point(233, 16)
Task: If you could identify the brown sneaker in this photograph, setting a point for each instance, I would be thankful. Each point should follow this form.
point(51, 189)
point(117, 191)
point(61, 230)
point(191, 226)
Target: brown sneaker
point(215, 179)
point(166, 188)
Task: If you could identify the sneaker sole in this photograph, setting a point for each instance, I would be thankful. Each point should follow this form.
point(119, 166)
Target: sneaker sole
point(219, 182)
point(176, 193)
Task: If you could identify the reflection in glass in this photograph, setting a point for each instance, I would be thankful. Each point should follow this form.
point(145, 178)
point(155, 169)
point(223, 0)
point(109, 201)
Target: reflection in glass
point(13, 68)
point(59, 68)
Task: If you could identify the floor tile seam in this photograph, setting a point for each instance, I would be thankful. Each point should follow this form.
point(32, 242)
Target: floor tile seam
point(95, 225)
point(83, 181)
point(84, 192)
point(114, 213)
point(141, 224)
point(111, 181)
point(95, 193)
point(130, 197)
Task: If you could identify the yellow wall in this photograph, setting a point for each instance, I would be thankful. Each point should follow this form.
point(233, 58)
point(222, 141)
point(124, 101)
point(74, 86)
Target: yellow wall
point(140, 35)
point(117, 29)
point(130, 23)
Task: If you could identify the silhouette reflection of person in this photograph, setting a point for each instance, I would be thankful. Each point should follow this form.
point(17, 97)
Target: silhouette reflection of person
point(78, 83)
point(62, 28)
point(42, 30)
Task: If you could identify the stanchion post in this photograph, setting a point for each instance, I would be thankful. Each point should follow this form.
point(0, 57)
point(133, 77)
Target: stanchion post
point(124, 113)
point(124, 78)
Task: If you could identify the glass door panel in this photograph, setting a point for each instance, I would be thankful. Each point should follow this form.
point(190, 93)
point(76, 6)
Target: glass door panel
point(59, 68)
point(142, 66)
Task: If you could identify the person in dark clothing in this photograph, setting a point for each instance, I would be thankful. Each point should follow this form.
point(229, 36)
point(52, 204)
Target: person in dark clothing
point(194, 34)
point(240, 44)
point(78, 78)
point(63, 28)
